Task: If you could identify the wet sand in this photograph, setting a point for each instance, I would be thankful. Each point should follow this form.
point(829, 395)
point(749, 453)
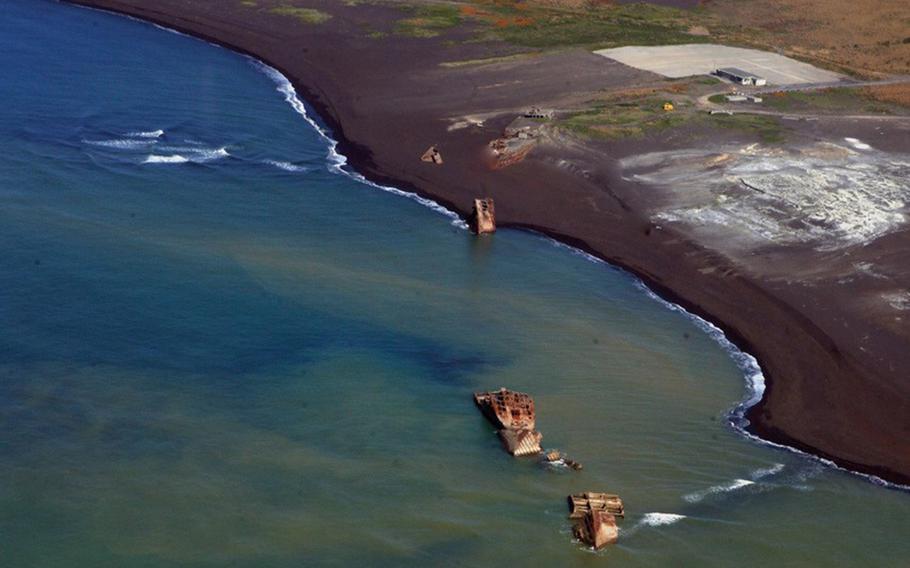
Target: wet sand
point(388, 99)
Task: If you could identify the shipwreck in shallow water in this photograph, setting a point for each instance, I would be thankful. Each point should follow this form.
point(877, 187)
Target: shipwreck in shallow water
point(594, 516)
point(513, 414)
point(483, 216)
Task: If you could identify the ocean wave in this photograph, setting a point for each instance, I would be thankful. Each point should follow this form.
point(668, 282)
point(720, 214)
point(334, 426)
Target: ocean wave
point(122, 144)
point(148, 134)
point(172, 159)
point(198, 156)
point(338, 161)
point(286, 166)
point(755, 380)
point(764, 472)
point(718, 489)
point(660, 519)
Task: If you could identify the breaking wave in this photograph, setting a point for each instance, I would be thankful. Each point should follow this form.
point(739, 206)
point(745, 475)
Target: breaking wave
point(718, 489)
point(174, 159)
point(197, 156)
point(337, 161)
point(148, 134)
point(286, 166)
point(122, 144)
point(764, 472)
point(660, 519)
point(755, 380)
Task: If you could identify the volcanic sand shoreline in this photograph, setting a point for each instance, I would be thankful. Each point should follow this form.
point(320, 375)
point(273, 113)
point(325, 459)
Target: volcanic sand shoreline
point(386, 101)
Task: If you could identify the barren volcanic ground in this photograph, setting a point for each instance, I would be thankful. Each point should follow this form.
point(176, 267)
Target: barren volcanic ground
point(798, 249)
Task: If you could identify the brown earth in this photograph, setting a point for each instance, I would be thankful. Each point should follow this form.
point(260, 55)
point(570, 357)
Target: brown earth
point(866, 36)
point(387, 98)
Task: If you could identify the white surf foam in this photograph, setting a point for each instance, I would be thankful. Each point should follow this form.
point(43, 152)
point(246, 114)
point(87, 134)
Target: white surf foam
point(717, 489)
point(755, 380)
point(148, 134)
point(858, 144)
point(337, 161)
point(172, 159)
point(197, 156)
point(660, 519)
point(286, 166)
point(764, 472)
point(209, 155)
point(122, 144)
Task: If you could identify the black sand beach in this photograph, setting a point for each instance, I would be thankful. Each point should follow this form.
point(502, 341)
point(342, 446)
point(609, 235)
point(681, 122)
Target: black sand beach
point(835, 362)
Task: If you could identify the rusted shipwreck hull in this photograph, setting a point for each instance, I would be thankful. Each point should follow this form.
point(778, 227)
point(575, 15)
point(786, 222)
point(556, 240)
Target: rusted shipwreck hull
point(513, 414)
point(594, 516)
point(582, 503)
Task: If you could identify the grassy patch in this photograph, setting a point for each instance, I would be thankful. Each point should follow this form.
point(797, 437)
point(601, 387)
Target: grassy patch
point(429, 20)
point(767, 128)
point(488, 60)
point(624, 118)
point(248, 3)
point(542, 26)
point(601, 27)
point(832, 100)
point(706, 80)
point(306, 15)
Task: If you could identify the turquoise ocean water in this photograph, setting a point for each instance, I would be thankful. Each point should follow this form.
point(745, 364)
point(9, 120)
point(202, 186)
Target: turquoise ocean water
point(216, 349)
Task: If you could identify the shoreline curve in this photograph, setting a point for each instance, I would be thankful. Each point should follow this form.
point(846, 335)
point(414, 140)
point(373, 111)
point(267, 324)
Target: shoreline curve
point(740, 416)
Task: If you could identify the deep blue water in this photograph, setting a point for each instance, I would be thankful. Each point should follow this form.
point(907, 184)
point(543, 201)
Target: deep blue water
point(217, 350)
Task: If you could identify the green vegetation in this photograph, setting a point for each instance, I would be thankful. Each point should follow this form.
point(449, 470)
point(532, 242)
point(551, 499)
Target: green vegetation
point(248, 3)
point(534, 25)
point(605, 26)
point(428, 20)
point(706, 80)
point(835, 99)
point(489, 60)
point(718, 98)
point(306, 15)
point(624, 119)
point(767, 128)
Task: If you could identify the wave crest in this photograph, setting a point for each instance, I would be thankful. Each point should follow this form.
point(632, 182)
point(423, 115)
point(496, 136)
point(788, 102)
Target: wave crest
point(337, 161)
point(147, 134)
point(661, 519)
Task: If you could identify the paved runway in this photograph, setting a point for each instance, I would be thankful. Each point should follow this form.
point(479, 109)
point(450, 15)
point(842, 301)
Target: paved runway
point(701, 59)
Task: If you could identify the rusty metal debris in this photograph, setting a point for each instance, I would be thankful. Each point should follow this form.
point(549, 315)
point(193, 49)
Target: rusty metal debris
point(558, 458)
point(521, 442)
point(594, 516)
point(597, 529)
point(432, 155)
point(483, 220)
point(582, 503)
point(513, 413)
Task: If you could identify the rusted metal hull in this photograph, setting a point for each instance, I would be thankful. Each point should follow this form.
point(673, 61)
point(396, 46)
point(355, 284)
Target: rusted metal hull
point(521, 442)
point(513, 414)
point(582, 503)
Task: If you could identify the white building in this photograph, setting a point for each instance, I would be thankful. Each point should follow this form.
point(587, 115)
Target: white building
point(740, 76)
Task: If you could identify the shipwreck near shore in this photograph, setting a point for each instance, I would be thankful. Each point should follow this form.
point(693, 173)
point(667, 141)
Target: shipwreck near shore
point(513, 414)
point(483, 216)
point(594, 516)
